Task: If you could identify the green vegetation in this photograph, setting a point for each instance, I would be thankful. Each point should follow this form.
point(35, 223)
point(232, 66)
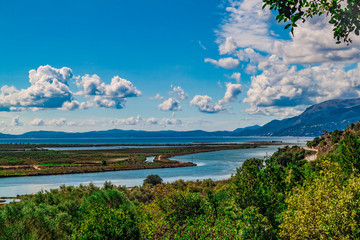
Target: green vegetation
point(153, 179)
point(280, 197)
point(343, 15)
point(33, 160)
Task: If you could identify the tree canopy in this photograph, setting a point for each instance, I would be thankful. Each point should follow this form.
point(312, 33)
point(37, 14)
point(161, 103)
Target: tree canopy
point(344, 14)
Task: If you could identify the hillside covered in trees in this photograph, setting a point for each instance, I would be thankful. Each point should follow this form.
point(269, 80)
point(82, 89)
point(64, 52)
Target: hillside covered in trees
point(280, 197)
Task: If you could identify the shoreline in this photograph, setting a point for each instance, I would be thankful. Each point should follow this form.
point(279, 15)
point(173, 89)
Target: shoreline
point(134, 159)
point(104, 169)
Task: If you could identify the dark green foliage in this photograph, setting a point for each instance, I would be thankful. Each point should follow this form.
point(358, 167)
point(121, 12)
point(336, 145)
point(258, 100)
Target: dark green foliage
point(153, 179)
point(285, 156)
point(336, 136)
point(107, 215)
point(180, 206)
point(104, 223)
point(350, 152)
point(254, 225)
point(315, 142)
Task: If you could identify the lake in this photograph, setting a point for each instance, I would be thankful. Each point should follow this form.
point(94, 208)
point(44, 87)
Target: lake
point(215, 165)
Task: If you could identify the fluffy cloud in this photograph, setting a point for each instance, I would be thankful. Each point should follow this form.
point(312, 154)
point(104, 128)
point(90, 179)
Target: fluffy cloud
point(228, 46)
point(105, 102)
point(157, 97)
point(179, 92)
point(236, 76)
point(232, 92)
point(37, 122)
point(280, 85)
point(170, 121)
point(92, 85)
point(128, 121)
point(147, 121)
point(204, 102)
point(74, 105)
point(152, 121)
point(205, 105)
point(228, 63)
point(284, 86)
point(111, 95)
point(16, 122)
point(313, 43)
point(171, 104)
point(58, 122)
point(121, 88)
point(246, 25)
point(49, 89)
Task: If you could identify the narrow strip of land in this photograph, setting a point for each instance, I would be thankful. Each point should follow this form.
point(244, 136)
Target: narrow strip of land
point(33, 160)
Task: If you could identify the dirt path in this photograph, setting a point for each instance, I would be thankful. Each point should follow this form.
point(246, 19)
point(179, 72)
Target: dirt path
point(311, 157)
point(36, 167)
point(117, 159)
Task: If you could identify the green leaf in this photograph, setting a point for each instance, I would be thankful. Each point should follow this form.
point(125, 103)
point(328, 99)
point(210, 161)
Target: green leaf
point(287, 26)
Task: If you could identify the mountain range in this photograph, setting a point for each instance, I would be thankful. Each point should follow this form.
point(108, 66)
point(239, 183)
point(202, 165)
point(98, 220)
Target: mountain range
point(328, 115)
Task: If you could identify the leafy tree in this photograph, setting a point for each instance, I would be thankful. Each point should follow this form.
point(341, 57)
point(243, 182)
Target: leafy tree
point(180, 206)
point(107, 223)
point(287, 155)
point(153, 179)
point(344, 14)
point(350, 152)
point(262, 188)
point(253, 225)
point(324, 208)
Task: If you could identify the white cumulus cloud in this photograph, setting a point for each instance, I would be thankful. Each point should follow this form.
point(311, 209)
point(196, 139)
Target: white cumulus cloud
point(16, 122)
point(232, 92)
point(157, 97)
point(228, 63)
point(37, 122)
point(236, 76)
point(58, 122)
point(171, 104)
point(204, 104)
point(111, 95)
point(49, 89)
point(288, 74)
point(179, 92)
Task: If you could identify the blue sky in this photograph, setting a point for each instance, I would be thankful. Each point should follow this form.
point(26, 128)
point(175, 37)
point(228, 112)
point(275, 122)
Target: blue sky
point(214, 65)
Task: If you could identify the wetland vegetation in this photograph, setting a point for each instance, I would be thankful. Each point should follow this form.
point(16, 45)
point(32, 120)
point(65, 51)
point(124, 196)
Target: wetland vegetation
point(34, 160)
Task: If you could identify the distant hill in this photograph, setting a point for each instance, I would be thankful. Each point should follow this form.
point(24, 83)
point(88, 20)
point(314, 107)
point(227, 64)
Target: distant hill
point(329, 115)
point(117, 133)
point(246, 128)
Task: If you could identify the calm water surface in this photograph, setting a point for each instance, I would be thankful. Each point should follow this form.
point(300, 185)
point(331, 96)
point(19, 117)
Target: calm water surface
point(215, 165)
